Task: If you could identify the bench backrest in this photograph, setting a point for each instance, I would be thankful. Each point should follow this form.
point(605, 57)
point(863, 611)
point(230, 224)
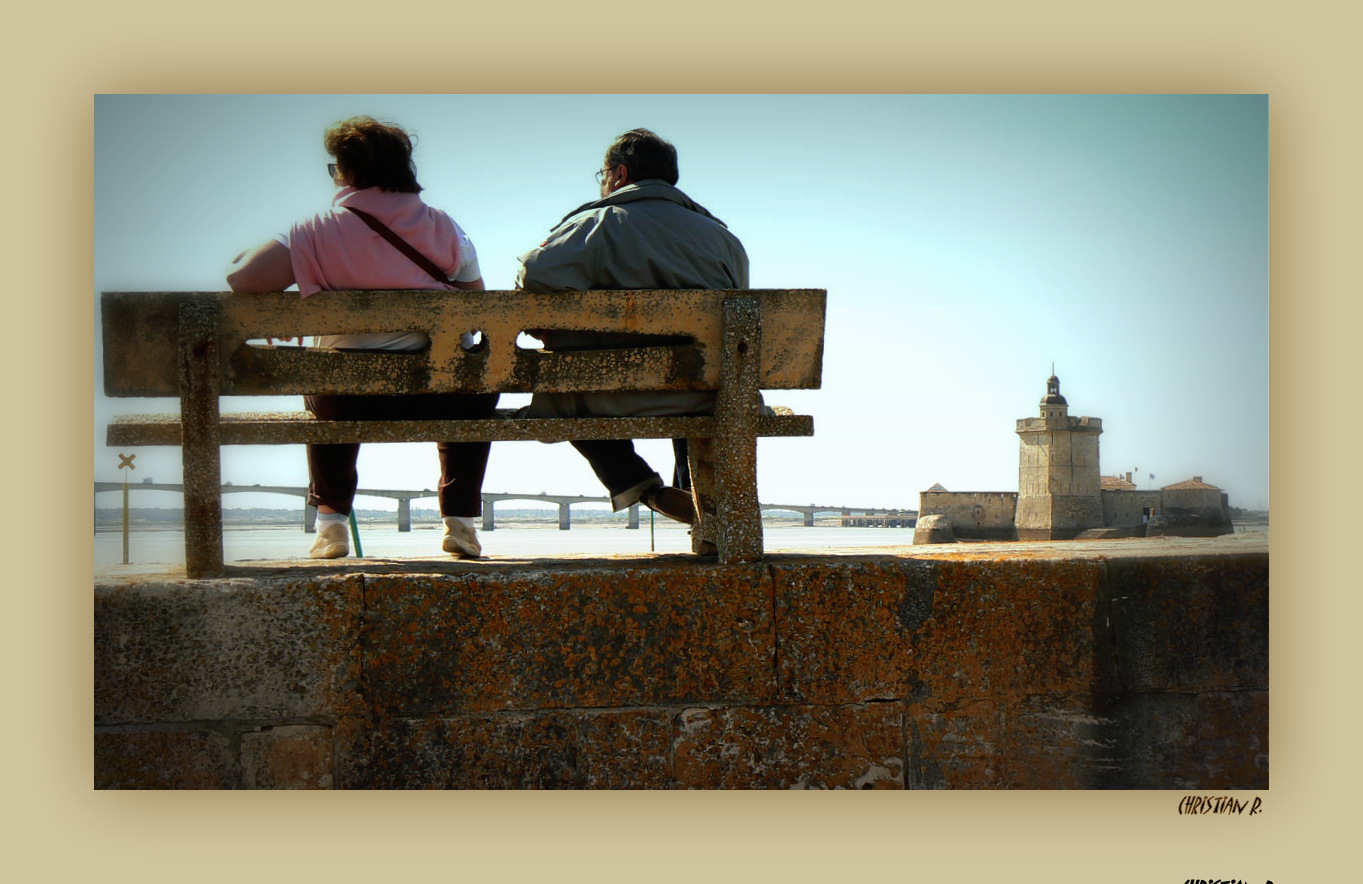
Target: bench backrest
point(142, 341)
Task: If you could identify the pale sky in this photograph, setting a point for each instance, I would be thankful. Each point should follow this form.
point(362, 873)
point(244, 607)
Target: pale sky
point(966, 243)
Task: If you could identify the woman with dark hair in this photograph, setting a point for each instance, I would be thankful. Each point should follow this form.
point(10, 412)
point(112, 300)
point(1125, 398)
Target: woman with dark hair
point(340, 249)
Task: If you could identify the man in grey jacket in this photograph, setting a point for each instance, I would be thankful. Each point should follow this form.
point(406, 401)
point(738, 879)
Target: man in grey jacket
point(643, 233)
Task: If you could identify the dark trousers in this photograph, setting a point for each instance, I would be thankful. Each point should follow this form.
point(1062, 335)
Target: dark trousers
point(620, 468)
point(617, 465)
point(681, 467)
point(331, 468)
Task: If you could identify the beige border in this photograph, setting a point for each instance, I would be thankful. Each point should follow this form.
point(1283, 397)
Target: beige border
point(61, 829)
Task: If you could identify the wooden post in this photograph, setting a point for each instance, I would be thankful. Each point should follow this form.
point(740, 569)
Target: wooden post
point(199, 437)
point(125, 519)
point(737, 410)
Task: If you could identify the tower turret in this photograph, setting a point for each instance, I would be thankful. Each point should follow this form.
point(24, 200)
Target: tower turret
point(1053, 404)
point(1058, 478)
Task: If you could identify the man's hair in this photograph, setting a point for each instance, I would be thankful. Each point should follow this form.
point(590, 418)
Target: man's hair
point(645, 155)
point(373, 154)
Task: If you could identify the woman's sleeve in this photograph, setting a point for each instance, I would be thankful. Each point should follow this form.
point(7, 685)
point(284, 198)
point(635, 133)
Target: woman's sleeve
point(468, 269)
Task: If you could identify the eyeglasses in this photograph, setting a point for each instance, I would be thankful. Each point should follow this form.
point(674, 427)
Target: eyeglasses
point(331, 169)
point(601, 175)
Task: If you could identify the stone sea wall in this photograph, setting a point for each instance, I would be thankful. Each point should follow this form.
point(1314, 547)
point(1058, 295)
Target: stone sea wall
point(994, 666)
point(973, 514)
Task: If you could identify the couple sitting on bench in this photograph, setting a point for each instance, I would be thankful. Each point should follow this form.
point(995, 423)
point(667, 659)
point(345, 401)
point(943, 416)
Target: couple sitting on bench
point(643, 233)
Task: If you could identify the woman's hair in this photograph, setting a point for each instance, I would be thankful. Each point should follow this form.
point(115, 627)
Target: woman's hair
point(373, 154)
point(645, 155)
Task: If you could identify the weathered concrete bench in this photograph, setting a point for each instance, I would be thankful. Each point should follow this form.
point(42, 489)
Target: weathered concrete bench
point(197, 346)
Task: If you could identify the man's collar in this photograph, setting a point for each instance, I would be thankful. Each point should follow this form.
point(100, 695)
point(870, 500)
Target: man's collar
point(648, 189)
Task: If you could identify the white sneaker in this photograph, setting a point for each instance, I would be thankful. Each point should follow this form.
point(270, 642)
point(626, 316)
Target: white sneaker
point(462, 541)
point(333, 542)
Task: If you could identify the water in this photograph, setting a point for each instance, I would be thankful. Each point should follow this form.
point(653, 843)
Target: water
point(383, 540)
point(510, 540)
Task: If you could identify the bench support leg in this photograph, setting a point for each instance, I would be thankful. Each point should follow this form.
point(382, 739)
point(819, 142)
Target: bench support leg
point(738, 534)
point(199, 438)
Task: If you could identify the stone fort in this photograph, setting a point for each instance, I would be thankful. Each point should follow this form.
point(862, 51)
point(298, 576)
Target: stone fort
point(1062, 496)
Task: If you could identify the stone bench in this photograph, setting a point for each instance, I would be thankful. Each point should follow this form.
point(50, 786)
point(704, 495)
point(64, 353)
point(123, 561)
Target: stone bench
point(200, 346)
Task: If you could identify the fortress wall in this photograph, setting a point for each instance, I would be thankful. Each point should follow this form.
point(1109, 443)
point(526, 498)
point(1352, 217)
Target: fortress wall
point(1125, 508)
point(1210, 504)
point(988, 669)
point(974, 514)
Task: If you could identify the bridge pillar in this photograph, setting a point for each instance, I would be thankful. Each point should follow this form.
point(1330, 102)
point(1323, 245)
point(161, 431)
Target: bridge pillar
point(633, 516)
point(809, 518)
point(309, 518)
point(564, 519)
point(488, 520)
point(404, 514)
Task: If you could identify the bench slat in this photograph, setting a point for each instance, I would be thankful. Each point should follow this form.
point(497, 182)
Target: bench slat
point(284, 428)
point(140, 331)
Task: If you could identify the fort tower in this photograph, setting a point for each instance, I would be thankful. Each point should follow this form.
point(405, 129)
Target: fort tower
point(1058, 482)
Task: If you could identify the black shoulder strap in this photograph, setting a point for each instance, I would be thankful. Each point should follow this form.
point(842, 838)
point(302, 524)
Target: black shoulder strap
point(401, 245)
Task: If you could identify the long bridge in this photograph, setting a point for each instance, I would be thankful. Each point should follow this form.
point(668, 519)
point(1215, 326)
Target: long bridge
point(565, 502)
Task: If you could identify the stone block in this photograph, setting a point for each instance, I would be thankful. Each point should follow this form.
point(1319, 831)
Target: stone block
point(297, 757)
point(225, 649)
point(933, 529)
point(846, 631)
point(162, 760)
point(1204, 741)
point(566, 638)
point(627, 749)
point(1043, 743)
point(791, 747)
point(1010, 630)
point(1189, 624)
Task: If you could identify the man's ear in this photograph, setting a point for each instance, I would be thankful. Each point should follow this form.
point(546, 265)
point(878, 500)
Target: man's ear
point(623, 171)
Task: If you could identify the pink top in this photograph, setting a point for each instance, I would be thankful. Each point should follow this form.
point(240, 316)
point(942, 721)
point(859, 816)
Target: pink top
point(335, 250)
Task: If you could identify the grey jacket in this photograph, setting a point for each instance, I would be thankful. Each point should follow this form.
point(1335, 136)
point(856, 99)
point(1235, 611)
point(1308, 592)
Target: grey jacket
point(647, 235)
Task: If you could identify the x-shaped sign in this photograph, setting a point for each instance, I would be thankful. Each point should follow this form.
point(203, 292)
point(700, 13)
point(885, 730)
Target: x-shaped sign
point(126, 460)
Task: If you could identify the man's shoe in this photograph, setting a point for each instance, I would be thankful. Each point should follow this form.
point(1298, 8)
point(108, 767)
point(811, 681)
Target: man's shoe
point(671, 502)
point(462, 541)
point(333, 542)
